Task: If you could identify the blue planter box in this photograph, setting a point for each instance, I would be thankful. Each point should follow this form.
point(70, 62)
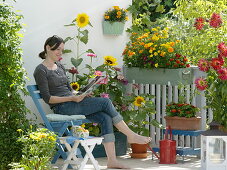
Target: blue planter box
point(160, 76)
point(120, 146)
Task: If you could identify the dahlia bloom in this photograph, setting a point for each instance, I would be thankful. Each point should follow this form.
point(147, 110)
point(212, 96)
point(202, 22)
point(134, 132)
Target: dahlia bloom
point(215, 20)
point(199, 23)
point(203, 65)
point(222, 73)
point(201, 83)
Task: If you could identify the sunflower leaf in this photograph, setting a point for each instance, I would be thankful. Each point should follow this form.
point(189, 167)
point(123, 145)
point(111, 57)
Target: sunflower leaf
point(76, 62)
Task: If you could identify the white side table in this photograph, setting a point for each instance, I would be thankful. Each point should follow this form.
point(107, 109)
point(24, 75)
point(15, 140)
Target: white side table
point(88, 144)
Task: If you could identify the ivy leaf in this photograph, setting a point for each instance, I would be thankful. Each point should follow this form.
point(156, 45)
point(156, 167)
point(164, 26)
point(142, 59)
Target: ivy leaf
point(76, 62)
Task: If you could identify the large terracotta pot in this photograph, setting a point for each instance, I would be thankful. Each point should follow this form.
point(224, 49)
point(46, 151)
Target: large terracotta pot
point(182, 123)
point(139, 151)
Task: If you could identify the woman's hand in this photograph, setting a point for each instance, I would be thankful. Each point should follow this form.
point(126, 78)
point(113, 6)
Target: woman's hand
point(78, 98)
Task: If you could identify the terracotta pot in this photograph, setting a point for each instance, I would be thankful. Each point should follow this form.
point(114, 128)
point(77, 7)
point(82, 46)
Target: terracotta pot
point(138, 150)
point(183, 123)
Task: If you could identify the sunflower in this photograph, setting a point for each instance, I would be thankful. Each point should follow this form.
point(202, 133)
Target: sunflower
point(75, 86)
point(82, 20)
point(139, 101)
point(111, 61)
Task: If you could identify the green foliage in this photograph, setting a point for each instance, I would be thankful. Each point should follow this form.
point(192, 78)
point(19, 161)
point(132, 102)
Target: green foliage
point(137, 112)
point(38, 149)
point(145, 12)
point(12, 106)
point(198, 44)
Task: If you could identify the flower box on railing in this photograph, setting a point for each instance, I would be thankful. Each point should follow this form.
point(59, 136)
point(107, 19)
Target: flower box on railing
point(160, 76)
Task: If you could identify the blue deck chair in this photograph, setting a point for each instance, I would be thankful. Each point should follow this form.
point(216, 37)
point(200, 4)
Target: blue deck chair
point(60, 127)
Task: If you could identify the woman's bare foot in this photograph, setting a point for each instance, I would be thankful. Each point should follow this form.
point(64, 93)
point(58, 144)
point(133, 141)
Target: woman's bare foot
point(116, 165)
point(135, 138)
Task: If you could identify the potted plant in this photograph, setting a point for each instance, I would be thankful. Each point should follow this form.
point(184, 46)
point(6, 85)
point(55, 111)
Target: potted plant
point(182, 116)
point(114, 21)
point(137, 112)
point(215, 84)
point(154, 57)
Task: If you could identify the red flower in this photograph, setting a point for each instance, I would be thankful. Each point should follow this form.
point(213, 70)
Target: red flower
point(177, 61)
point(203, 65)
point(174, 110)
point(215, 20)
point(199, 23)
point(201, 83)
point(187, 65)
point(73, 70)
point(216, 63)
point(222, 73)
point(222, 48)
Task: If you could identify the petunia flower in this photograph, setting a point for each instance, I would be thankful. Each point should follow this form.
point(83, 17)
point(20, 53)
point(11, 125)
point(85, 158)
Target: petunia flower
point(201, 83)
point(98, 73)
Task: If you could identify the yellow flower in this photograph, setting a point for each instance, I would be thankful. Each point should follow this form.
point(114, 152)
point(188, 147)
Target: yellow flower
point(139, 101)
point(116, 7)
point(82, 20)
point(34, 137)
point(75, 86)
point(111, 61)
point(154, 29)
point(83, 125)
point(170, 50)
point(52, 138)
point(155, 54)
point(118, 16)
point(126, 18)
point(156, 65)
point(118, 12)
point(106, 16)
point(155, 38)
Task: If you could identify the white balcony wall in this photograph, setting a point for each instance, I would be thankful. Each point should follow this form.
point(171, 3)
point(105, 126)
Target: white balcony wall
point(44, 18)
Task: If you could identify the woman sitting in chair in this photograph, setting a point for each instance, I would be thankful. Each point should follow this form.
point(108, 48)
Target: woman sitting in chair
point(50, 76)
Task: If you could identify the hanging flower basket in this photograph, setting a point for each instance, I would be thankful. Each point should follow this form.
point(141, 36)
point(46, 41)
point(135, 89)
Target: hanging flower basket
point(183, 123)
point(113, 28)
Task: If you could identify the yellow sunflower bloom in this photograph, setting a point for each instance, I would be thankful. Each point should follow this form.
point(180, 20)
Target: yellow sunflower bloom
point(111, 61)
point(75, 86)
point(139, 101)
point(82, 20)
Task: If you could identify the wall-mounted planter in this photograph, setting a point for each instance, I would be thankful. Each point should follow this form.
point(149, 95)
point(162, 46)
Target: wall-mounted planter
point(113, 28)
point(160, 76)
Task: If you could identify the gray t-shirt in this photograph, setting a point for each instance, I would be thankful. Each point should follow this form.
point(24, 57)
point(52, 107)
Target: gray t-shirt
point(52, 82)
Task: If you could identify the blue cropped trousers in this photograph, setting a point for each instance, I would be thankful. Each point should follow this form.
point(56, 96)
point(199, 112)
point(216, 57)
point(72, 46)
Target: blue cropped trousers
point(96, 109)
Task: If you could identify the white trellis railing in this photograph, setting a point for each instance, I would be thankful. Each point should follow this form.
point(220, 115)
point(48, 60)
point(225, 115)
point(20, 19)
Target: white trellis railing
point(165, 94)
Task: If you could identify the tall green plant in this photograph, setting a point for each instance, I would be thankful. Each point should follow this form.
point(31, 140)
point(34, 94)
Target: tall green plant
point(12, 106)
point(200, 42)
point(146, 12)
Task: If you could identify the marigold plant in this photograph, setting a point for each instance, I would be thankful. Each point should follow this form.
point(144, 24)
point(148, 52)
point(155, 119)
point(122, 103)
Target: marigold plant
point(154, 49)
point(116, 14)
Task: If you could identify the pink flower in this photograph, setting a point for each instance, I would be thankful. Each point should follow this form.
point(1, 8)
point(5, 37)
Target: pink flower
point(215, 20)
point(73, 70)
point(222, 73)
point(201, 83)
point(222, 49)
point(95, 124)
point(103, 81)
point(216, 63)
point(104, 95)
point(203, 65)
point(92, 55)
point(98, 73)
point(199, 23)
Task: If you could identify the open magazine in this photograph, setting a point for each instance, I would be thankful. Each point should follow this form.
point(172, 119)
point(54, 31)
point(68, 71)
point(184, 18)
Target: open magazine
point(89, 86)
